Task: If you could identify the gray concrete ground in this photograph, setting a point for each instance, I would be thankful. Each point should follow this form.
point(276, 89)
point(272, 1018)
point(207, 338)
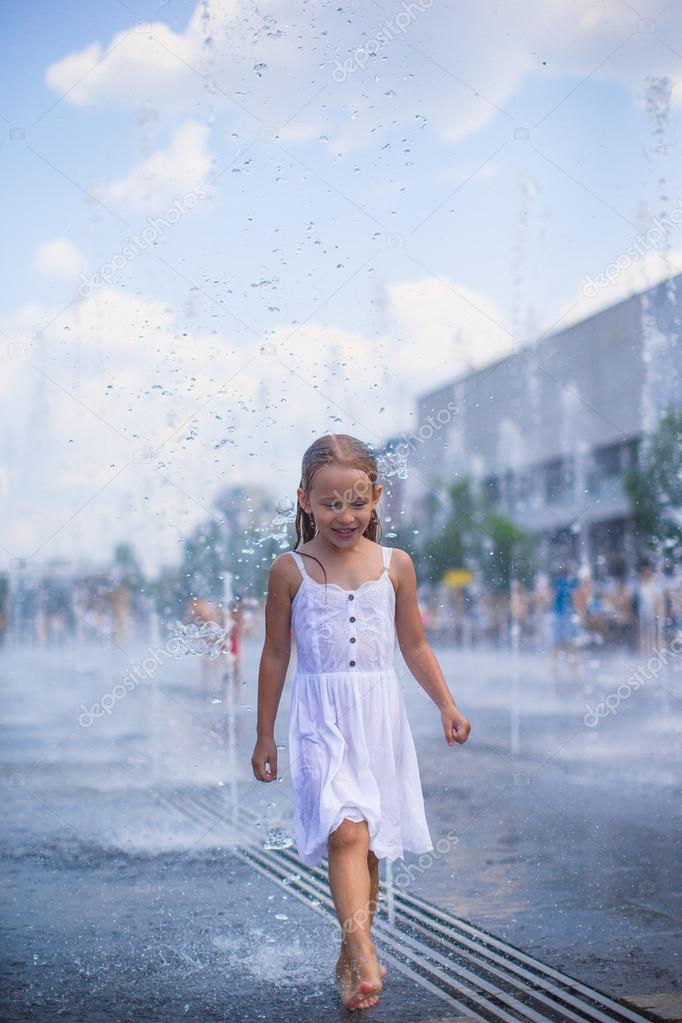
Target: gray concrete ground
point(563, 836)
point(171, 937)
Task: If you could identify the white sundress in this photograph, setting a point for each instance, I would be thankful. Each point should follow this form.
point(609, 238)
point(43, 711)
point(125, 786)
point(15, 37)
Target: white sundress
point(351, 751)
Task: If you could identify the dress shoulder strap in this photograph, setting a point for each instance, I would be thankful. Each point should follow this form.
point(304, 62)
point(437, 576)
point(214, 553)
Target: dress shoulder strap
point(387, 551)
point(299, 561)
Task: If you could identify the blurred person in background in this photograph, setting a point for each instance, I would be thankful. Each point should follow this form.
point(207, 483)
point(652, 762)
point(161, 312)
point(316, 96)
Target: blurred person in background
point(565, 620)
point(589, 606)
point(622, 602)
point(671, 606)
point(236, 631)
point(541, 609)
point(202, 611)
point(649, 603)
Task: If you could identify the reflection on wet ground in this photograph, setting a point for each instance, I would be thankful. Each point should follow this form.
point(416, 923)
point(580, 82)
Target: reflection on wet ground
point(558, 837)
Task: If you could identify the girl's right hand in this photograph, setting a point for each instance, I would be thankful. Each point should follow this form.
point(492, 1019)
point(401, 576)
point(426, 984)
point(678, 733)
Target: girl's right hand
point(455, 725)
point(265, 753)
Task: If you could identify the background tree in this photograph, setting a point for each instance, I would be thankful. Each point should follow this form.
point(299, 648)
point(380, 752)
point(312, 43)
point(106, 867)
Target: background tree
point(405, 536)
point(655, 490)
point(126, 566)
point(506, 552)
point(452, 544)
point(472, 535)
point(204, 561)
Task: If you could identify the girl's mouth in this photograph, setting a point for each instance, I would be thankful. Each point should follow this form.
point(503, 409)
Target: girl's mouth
point(344, 533)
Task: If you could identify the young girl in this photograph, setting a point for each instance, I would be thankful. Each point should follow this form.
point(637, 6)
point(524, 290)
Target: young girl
point(354, 771)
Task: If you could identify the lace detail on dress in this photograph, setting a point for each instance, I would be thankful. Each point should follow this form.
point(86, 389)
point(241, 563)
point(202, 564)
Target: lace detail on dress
point(351, 751)
point(344, 630)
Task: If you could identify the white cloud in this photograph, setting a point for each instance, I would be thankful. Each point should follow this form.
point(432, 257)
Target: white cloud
point(111, 377)
point(444, 328)
point(166, 175)
point(58, 257)
point(604, 289)
point(119, 73)
point(454, 67)
point(126, 378)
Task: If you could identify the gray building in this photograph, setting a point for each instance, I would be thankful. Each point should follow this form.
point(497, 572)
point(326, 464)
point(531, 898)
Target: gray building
point(549, 430)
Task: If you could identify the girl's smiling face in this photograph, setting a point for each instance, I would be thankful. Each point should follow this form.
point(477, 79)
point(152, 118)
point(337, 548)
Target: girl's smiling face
point(341, 500)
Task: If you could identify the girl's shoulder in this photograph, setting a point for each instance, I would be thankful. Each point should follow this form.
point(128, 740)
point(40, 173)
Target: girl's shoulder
point(285, 571)
point(402, 570)
point(399, 557)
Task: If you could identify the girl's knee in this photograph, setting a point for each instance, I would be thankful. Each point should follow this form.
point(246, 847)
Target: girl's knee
point(349, 833)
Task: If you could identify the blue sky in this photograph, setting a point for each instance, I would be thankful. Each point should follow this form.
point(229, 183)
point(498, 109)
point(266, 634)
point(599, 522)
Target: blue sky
point(379, 231)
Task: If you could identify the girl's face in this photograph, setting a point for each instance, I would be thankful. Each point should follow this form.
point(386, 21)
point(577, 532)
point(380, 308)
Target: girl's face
point(341, 502)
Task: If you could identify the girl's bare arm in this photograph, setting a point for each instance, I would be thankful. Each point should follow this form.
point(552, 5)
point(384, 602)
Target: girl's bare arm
point(272, 672)
point(419, 657)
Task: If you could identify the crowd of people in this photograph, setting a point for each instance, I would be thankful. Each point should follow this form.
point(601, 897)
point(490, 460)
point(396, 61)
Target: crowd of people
point(563, 611)
point(53, 611)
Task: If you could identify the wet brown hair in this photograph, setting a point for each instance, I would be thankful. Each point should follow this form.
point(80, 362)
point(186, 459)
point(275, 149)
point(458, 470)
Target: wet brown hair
point(348, 452)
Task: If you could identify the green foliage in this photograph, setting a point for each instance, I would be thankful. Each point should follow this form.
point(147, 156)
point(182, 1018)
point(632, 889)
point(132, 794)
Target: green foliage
point(450, 545)
point(127, 568)
point(204, 561)
point(474, 536)
point(655, 490)
point(170, 593)
point(251, 576)
point(506, 548)
point(406, 539)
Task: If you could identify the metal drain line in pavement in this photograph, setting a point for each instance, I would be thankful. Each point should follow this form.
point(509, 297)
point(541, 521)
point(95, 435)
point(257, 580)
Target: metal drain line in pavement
point(474, 972)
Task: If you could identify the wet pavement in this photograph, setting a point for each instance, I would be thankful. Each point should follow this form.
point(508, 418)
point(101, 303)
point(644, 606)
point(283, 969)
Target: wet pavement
point(123, 902)
point(569, 835)
point(172, 937)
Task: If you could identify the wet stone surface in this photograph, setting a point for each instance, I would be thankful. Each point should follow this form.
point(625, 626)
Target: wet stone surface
point(168, 938)
point(123, 900)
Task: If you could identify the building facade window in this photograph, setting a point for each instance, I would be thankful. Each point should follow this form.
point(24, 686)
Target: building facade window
point(559, 480)
point(610, 462)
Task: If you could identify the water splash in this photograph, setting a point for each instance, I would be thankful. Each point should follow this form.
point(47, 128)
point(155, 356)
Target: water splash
point(658, 98)
point(200, 638)
point(393, 463)
point(278, 527)
point(659, 326)
point(389, 463)
point(278, 838)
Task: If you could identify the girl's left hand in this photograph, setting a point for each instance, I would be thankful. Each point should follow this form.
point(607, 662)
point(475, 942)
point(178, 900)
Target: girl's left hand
point(455, 726)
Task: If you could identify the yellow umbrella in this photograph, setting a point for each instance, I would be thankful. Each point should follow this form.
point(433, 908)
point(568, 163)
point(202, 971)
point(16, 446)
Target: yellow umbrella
point(457, 577)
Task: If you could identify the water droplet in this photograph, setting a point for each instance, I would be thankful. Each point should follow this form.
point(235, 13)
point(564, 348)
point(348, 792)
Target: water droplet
point(277, 838)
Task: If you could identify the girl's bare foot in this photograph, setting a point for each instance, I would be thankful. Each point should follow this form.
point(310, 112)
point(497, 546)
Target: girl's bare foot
point(359, 978)
point(343, 976)
point(344, 980)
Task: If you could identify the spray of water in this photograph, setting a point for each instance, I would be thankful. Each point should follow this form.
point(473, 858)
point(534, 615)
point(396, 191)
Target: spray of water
point(201, 638)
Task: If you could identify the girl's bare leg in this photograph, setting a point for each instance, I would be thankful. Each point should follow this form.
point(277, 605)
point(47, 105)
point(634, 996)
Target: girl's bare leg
point(373, 865)
point(357, 970)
